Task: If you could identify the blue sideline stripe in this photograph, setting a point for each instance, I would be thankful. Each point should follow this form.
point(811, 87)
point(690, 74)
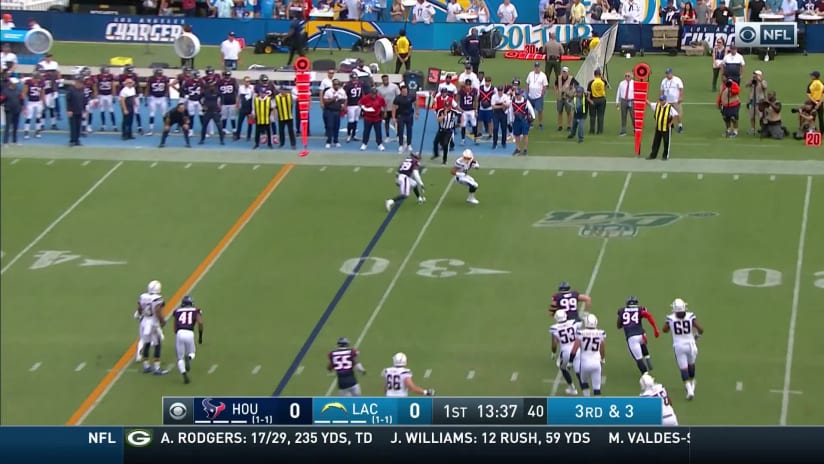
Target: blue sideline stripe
point(334, 303)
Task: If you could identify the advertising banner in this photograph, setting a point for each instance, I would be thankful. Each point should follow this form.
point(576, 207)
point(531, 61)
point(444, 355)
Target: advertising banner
point(773, 35)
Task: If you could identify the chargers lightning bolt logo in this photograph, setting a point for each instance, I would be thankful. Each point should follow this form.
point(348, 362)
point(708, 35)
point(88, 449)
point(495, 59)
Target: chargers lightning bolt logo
point(334, 406)
point(213, 410)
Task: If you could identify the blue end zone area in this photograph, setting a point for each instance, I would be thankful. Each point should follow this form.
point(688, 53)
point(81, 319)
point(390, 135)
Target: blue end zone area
point(316, 141)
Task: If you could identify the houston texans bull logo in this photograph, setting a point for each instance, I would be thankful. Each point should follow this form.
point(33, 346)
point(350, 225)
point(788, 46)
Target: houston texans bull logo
point(213, 410)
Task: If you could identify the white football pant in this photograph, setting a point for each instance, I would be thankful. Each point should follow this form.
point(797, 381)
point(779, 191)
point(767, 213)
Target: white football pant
point(685, 354)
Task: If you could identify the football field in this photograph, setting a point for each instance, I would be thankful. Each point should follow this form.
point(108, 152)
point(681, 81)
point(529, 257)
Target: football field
point(287, 254)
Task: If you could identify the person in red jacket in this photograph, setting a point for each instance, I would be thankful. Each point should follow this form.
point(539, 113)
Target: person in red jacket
point(729, 103)
point(372, 105)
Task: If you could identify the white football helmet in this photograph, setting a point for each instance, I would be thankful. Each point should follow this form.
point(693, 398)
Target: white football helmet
point(679, 305)
point(399, 360)
point(646, 382)
point(154, 287)
point(591, 321)
point(467, 155)
point(560, 316)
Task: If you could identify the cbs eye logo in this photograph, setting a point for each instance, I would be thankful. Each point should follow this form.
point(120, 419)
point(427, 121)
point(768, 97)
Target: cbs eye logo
point(139, 438)
point(747, 34)
point(178, 411)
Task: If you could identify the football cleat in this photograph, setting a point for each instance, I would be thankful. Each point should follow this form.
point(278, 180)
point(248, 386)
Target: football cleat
point(399, 360)
point(570, 390)
point(421, 200)
point(472, 201)
point(160, 372)
point(389, 204)
point(186, 379)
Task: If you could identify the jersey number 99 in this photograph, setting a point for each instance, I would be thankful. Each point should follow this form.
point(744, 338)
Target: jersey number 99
point(568, 304)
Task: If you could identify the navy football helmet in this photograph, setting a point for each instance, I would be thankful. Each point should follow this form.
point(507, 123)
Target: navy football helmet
point(343, 342)
point(564, 287)
point(632, 301)
point(187, 302)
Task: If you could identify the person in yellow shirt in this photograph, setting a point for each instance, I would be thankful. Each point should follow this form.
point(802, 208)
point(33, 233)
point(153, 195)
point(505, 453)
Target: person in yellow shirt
point(815, 92)
point(594, 41)
point(403, 51)
point(597, 99)
point(577, 13)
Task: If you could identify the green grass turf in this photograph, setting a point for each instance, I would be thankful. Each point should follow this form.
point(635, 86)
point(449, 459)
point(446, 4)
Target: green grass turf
point(266, 292)
point(703, 136)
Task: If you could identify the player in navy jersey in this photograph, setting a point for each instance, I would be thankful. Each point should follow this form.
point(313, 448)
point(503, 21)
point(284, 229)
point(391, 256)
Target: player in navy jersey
point(180, 81)
point(569, 300)
point(33, 93)
point(89, 98)
point(210, 76)
point(228, 89)
point(157, 93)
point(344, 362)
point(129, 73)
point(468, 102)
point(630, 319)
point(51, 96)
point(186, 317)
point(354, 90)
point(194, 92)
point(105, 97)
point(408, 178)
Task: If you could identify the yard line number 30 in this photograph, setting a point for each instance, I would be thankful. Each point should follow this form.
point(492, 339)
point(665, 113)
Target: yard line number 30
point(762, 277)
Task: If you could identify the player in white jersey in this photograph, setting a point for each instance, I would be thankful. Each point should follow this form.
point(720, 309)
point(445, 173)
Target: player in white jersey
point(398, 379)
point(651, 389)
point(150, 334)
point(461, 172)
point(563, 337)
point(589, 353)
point(685, 330)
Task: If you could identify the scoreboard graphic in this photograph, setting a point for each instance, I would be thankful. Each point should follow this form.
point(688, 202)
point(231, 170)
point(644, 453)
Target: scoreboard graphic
point(381, 411)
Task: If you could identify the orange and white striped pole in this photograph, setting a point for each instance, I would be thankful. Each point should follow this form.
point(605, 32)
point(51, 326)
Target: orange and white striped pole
point(639, 103)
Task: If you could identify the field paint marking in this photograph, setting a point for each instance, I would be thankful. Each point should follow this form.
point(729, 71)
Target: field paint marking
point(470, 375)
point(50, 162)
point(772, 177)
point(80, 367)
point(595, 174)
point(799, 262)
point(256, 369)
point(398, 273)
point(153, 164)
point(322, 168)
point(108, 381)
point(60, 218)
point(427, 373)
point(492, 171)
point(299, 370)
point(735, 177)
point(514, 377)
point(188, 165)
point(597, 268)
point(221, 166)
point(255, 167)
point(85, 163)
point(389, 171)
point(603, 380)
point(787, 392)
point(664, 175)
point(739, 386)
point(526, 172)
point(700, 176)
point(357, 168)
point(35, 366)
point(15, 161)
point(560, 173)
point(212, 369)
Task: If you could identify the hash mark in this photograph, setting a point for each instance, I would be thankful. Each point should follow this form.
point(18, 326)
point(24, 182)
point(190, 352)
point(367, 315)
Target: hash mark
point(188, 165)
point(299, 370)
point(255, 167)
point(772, 177)
point(212, 369)
point(514, 377)
point(739, 386)
point(794, 392)
point(85, 163)
point(256, 369)
point(664, 175)
point(735, 177)
point(595, 174)
point(700, 176)
point(470, 375)
point(526, 172)
point(50, 163)
point(560, 173)
point(221, 166)
point(491, 172)
point(389, 171)
point(603, 380)
point(322, 168)
point(80, 367)
point(153, 164)
point(427, 373)
point(15, 161)
point(35, 366)
point(357, 168)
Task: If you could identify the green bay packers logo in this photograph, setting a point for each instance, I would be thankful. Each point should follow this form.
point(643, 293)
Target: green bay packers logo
point(612, 224)
point(139, 438)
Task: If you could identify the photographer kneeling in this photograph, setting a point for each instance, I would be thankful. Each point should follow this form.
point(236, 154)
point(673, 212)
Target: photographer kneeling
point(806, 119)
point(770, 110)
point(729, 103)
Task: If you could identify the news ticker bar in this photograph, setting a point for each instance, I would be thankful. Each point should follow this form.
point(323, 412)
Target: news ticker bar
point(383, 411)
point(529, 444)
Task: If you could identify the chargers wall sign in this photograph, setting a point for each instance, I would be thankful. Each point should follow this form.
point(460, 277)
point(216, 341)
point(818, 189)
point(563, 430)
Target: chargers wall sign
point(613, 224)
point(159, 29)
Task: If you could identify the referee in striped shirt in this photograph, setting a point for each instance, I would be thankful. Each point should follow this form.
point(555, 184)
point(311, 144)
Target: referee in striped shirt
point(283, 104)
point(262, 106)
point(663, 113)
point(448, 118)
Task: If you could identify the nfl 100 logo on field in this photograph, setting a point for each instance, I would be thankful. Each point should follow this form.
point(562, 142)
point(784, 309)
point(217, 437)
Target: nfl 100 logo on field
point(613, 224)
point(148, 29)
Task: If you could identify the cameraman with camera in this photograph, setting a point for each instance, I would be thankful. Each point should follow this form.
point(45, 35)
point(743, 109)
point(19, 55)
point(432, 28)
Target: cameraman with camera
point(758, 94)
point(729, 103)
point(770, 110)
point(806, 119)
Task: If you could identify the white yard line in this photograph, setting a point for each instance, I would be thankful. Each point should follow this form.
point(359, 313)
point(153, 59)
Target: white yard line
point(35, 366)
point(212, 369)
point(799, 262)
point(60, 218)
point(80, 367)
point(398, 273)
point(597, 268)
point(256, 369)
point(470, 375)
